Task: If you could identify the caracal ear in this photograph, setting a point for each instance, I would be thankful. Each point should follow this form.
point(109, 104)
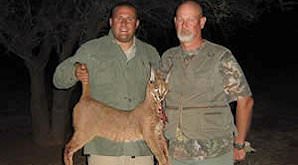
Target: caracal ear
point(152, 74)
point(169, 74)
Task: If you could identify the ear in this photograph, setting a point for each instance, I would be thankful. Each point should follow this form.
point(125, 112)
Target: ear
point(203, 22)
point(110, 22)
point(152, 74)
point(175, 20)
point(169, 74)
point(137, 23)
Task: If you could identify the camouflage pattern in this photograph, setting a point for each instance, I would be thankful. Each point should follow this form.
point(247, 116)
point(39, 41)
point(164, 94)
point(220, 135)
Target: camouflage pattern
point(184, 148)
point(202, 84)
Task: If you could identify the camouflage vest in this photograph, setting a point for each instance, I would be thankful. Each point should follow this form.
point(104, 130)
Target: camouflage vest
point(201, 124)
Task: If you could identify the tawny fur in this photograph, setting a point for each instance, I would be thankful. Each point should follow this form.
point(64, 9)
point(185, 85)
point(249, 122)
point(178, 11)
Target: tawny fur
point(92, 118)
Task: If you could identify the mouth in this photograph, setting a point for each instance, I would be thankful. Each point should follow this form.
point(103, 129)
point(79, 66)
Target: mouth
point(124, 30)
point(185, 32)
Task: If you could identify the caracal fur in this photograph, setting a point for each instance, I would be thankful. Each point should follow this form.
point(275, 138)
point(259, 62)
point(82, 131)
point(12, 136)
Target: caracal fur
point(92, 118)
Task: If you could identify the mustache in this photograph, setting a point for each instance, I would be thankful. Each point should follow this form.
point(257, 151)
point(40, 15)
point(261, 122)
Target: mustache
point(184, 30)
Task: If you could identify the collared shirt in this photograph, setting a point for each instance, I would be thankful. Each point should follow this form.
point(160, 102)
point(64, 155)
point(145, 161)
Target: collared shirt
point(130, 52)
point(114, 81)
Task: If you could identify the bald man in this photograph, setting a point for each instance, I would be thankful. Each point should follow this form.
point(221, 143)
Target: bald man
point(205, 78)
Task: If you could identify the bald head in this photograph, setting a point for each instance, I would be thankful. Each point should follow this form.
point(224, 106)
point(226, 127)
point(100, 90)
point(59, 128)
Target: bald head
point(189, 22)
point(190, 5)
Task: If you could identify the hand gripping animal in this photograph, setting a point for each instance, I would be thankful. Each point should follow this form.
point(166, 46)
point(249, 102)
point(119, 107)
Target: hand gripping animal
point(146, 122)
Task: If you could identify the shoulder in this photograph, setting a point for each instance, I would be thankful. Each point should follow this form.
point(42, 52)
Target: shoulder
point(102, 41)
point(171, 52)
point(95, 48)
point(217, 50)
point(146, 46)
point(148, 50)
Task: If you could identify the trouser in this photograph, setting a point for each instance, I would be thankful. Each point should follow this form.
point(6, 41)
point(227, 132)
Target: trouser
point(120, 160)
point(226, 159)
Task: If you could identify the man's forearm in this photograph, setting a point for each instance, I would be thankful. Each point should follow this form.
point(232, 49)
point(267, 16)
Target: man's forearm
point(243, 117)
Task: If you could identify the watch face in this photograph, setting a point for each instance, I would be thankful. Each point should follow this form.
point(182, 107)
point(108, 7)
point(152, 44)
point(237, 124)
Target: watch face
point(239, 146)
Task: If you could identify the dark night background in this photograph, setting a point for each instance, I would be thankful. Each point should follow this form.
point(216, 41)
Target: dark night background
point(264, 46)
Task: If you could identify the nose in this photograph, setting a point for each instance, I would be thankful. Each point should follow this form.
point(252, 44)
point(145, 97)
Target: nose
point(184, 24)
point(123, 21)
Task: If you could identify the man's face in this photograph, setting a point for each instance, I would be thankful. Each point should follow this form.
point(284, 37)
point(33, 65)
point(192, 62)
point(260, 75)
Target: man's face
point(189, 23)
point(124, 23)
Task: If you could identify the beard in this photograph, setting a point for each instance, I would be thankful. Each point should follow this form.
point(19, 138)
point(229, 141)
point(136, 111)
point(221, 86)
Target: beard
point(185, 36)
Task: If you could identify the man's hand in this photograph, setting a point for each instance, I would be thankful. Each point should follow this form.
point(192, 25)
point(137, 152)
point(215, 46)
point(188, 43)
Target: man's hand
point(81, 73)
point(239, 154)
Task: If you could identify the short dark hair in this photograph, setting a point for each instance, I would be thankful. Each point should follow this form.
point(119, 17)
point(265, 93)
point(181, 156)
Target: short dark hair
point(124, 4)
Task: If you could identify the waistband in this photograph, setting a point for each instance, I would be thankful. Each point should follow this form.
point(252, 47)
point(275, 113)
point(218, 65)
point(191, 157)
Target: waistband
point(119, 157)
point(196, 107)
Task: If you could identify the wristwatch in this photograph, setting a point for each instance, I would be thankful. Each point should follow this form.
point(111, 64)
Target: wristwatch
point(239, 146)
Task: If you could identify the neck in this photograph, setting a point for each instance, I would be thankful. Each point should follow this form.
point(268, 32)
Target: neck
point(147, 106)
point(194, 44)
point(125, 45)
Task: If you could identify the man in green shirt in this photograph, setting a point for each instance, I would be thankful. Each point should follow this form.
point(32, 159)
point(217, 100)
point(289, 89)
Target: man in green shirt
point(205, 78)
point(118, 70)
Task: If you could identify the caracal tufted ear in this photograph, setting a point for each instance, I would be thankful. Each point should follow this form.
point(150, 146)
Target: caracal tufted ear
point(169, 74)
point(152, 74)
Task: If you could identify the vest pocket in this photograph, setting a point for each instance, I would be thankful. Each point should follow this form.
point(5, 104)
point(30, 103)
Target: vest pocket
point(206, 123)
point(214, 122)
point(192, 123)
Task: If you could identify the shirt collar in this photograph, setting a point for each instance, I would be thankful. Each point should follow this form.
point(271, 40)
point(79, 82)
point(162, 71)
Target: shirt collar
point(192, 52)
point(131, 52)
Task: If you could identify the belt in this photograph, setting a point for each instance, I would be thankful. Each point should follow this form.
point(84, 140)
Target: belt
point(187, 108)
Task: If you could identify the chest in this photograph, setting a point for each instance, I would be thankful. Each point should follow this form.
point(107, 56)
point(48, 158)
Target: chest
point(200, 74)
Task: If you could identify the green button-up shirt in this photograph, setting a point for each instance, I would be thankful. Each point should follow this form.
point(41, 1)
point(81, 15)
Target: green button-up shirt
point(114, 80)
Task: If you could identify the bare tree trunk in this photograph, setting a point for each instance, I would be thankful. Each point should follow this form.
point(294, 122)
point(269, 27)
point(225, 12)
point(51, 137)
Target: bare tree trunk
point(39, 102)
point(39, 105)
point(61, 115)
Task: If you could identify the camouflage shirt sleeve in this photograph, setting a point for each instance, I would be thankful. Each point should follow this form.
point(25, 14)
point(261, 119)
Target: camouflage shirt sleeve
point(235, 83)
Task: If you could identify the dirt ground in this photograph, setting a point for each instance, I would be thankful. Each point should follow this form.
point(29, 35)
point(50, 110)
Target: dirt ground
point(274, 130)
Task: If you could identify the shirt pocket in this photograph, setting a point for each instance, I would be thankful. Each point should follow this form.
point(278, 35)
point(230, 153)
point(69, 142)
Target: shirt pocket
point(103, 74)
